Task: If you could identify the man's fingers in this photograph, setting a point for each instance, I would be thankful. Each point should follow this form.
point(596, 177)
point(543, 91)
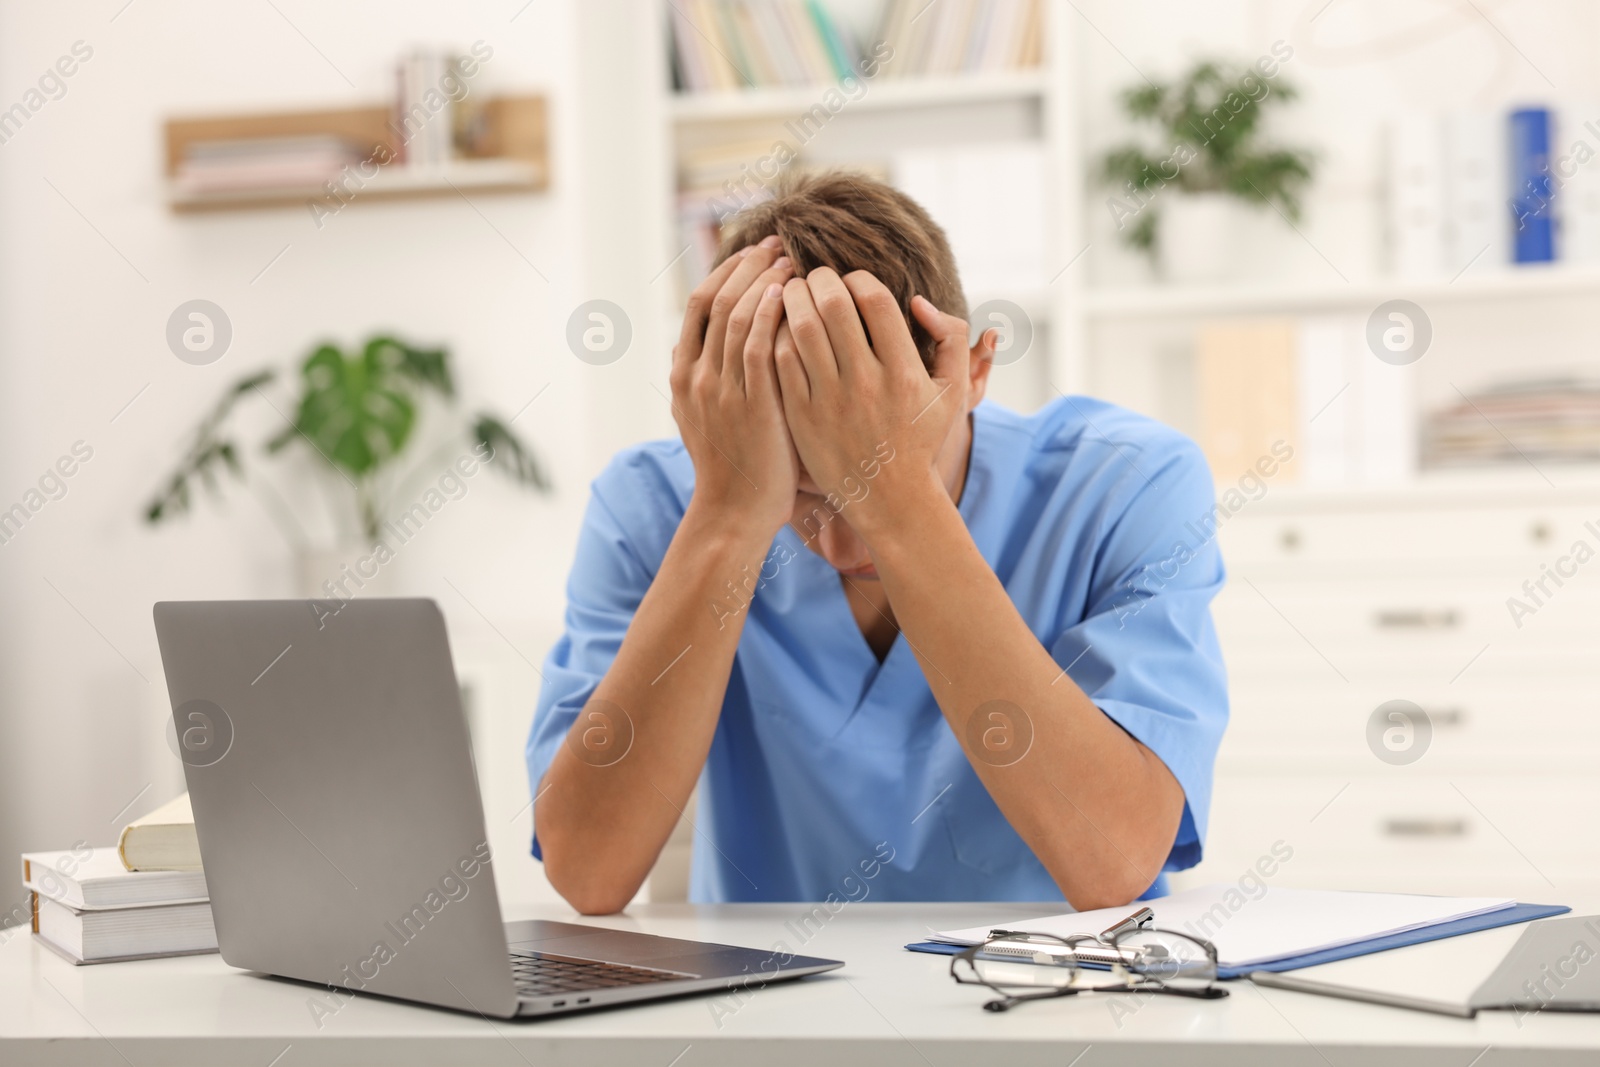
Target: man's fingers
point(756, 260)
point(699, 309)
point(837, 306)
point(760, 374)
point(810, 335)
point(791, 371)
point(891, 335)
point(742, 320)
point(950, 352)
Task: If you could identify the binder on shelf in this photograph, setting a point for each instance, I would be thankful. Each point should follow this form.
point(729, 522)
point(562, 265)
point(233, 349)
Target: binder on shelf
point(1477, 224)
point(1579, 233)
point(1416, 196)
point(1245, 380)
point(1533, 192)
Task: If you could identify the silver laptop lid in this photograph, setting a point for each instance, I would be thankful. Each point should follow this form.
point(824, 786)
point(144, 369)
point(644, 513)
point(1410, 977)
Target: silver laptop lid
point(335, 798)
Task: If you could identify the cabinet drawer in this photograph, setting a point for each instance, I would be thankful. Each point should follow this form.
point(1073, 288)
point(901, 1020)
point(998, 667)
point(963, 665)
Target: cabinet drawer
point(1428, 536)
point(1412, 613)
point(1485, 728)
point(1415, 826)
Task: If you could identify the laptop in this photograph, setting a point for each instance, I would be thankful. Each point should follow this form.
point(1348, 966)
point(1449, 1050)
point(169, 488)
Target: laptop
point(342, 831)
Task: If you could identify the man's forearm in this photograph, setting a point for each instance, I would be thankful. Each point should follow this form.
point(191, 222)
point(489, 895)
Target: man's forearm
point(1097, 808)
point(615, 789)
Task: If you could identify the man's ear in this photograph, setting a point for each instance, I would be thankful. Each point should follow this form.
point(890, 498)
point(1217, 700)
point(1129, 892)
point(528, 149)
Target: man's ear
point(979, 366)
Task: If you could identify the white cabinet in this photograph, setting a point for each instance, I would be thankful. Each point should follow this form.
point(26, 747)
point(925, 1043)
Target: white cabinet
point(1335, 607)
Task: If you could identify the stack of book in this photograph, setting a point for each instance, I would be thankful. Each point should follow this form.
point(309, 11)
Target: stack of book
point(962, 36)
point(90, 907)
point(1535, 420)
point(737, 44)
point(263, 165)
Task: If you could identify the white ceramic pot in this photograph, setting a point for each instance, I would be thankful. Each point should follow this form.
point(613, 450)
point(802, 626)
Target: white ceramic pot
point(1200, 237)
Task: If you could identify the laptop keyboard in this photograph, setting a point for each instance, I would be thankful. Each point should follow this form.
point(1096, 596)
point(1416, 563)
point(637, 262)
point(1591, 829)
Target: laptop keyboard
point(541, 974)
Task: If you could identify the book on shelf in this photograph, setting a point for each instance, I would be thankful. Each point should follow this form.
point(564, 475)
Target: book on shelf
point(724, 45)
point(91, 879)
point(1579, 232)
point(263, 163)
point(1246, 387)
point(1477, 237)
point(163, 840)
point(1532, 189)
point(962, 36)
point(1416, 196)
point(727, 45)
point(1356, 421)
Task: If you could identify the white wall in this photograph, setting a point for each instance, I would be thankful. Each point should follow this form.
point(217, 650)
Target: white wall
point(91, 265)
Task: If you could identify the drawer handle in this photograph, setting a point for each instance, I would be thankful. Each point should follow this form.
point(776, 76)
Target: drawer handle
point(1418, 619)
point(1421, 827)
point(1447, 717)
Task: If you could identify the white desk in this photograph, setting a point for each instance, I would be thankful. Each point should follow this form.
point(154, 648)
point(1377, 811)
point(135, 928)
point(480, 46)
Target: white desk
point(886, 1007)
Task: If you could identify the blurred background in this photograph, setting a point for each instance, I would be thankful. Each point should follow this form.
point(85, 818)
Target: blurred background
point(1351, 246)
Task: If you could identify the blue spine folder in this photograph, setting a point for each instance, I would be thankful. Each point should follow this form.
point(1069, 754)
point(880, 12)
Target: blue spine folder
point(1532, 188)
point(1517, 913)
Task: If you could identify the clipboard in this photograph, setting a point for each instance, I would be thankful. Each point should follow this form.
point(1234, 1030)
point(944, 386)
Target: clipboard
point(1517, 913)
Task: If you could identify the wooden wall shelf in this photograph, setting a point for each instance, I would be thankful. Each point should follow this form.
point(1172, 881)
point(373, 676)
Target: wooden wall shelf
point(511, 155)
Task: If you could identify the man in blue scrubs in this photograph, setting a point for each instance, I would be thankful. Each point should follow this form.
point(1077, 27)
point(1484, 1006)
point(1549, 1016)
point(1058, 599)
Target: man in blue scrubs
point(902, 639)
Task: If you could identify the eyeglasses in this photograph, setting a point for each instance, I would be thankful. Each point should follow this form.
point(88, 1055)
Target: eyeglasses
point(1020, 966)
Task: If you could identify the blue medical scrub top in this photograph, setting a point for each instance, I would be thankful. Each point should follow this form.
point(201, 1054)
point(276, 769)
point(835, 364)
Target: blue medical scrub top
point(1099, 522)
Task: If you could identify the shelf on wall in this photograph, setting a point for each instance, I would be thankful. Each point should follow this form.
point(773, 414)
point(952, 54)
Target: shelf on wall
point(514, 156)
point(1241, 298)
point(881, 94)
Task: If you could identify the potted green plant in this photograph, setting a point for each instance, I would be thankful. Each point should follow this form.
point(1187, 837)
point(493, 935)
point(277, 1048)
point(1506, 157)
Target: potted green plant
point(356, 419)
point(1178, 196)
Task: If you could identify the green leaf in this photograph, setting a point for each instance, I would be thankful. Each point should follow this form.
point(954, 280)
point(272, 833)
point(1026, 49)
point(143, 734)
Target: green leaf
point(354, 412)
point(206, 450)
point(426, 366)
point(507, 453)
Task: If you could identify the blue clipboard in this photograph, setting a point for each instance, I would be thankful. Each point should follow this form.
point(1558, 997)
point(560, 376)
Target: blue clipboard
point(1517, 913)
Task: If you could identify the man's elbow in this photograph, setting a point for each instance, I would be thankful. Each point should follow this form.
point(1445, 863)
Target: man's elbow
point(588, 879)
point(1119, 877)
point(1106, 892)
point(589, 893)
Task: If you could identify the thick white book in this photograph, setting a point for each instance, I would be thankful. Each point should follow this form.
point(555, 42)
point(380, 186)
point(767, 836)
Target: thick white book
point(93, 879)
point(124, 933)
point(1271, 924)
